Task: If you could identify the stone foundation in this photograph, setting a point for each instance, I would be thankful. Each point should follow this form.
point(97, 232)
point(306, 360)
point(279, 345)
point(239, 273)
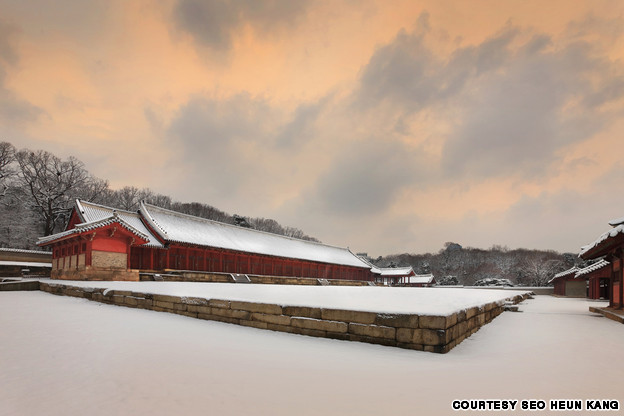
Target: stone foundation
point(96, 273)
point(192, 276)
point(419, 332)
point(609, 313)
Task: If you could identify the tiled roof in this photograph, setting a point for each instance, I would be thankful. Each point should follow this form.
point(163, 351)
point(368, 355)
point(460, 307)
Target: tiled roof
point(421, 278)
point(19, 250)
point(181, 228)
point(592, 267)
point(90, 212)
point(616, 221)
point(395, 271)
point(570, 271)
point(604, 236)
point(88, 226)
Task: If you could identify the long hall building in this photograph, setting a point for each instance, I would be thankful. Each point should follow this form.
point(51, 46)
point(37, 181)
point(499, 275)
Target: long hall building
point(103, 243)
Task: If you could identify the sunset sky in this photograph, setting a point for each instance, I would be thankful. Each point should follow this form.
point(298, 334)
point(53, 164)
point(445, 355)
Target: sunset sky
point(384, 126)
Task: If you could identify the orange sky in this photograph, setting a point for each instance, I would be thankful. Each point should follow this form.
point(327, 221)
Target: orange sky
point(383, 126)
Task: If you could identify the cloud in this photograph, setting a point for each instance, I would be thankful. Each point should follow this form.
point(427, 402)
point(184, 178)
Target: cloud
point(365, 178)
point(409, 74)
point(511, 103)
point(13, 110)
point(543, 100)
point(214, 23)
point(302, 127)
point(212, 139)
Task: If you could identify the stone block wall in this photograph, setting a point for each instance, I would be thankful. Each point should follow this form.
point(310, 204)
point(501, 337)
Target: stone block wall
point(109, 259)
point(96, 273)
point(419, 332)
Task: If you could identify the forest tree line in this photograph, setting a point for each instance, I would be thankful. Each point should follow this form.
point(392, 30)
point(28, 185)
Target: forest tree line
point(457, 265)
point(38, 190)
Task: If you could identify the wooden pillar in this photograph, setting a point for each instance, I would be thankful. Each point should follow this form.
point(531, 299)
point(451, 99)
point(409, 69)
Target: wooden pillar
point(128, 244)
point(614, 272)
point(620, 277)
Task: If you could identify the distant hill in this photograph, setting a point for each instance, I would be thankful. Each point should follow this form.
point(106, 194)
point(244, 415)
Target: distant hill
point(456, 265)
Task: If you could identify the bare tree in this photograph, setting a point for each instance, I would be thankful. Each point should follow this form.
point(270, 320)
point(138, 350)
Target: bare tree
point(160, 200)
point(51, 184)
point(7, 171)
point(539, 269)
point(129, 197)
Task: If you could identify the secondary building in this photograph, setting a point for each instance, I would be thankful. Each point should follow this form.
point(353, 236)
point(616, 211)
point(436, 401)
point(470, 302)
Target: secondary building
point(610, 247)
point(17, 262)
point(567, 283)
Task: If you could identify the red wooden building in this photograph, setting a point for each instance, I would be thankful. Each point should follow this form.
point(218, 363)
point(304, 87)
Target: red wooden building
point(598, 276)
point(104, 243)
point(567, 283)
point(610, 246)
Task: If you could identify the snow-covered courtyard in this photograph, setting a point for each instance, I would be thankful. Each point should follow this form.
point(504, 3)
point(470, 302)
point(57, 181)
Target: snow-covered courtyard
point(411, 300)
point(70, 356)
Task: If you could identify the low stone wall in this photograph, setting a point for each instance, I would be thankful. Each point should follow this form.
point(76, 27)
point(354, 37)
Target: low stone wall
point(419, 332)
point(19, 285)
point(11, 254)
point(541, 290)
point(609, 313)
point(192, 276)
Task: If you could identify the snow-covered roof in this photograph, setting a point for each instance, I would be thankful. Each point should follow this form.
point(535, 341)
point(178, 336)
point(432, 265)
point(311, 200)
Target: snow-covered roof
point(569, 272)
point(592, 267)
point(395, 271)
point(616, 222)
point(619, 229)
point(25, 263)
point(421, 279)
point(93, 225)
point(19, 250)
point(90, 212)
point(182, 228)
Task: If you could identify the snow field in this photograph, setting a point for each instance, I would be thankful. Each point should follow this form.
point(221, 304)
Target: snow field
point(69, 356)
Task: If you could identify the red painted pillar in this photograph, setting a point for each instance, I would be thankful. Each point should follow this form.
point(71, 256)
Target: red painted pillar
point(128, 253)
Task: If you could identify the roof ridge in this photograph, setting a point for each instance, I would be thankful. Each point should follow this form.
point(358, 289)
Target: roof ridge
point(124, 211)
point(194, 217)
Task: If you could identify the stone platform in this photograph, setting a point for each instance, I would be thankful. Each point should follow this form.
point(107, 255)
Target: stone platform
point(419, 332)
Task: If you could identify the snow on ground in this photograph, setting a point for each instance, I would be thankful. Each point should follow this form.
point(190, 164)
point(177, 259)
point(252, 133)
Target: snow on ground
point(69, 356)
point(422, 301)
